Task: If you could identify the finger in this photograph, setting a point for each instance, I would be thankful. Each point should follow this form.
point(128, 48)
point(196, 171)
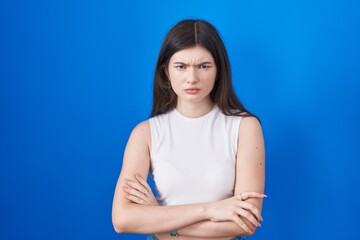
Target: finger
point(241, 224)
point(135, 193)
point(145, 185)
point(136, 185)
point(248, 216)
point(143, 182)
point(252, 208)
point(134, 199)
point(246, 195)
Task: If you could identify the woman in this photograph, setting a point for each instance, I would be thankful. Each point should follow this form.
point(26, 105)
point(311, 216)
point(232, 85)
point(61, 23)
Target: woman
point(208, 168)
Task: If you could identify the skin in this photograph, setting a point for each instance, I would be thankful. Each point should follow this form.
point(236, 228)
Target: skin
point(135, 208)
point(192, 68)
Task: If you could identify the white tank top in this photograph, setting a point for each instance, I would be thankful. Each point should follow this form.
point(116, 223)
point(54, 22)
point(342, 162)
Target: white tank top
point(193, 159)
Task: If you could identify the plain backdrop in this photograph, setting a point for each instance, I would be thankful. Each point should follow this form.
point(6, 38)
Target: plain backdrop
point(76, 77)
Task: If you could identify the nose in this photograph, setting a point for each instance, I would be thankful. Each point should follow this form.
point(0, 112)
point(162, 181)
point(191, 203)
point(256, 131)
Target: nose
point(192, 77)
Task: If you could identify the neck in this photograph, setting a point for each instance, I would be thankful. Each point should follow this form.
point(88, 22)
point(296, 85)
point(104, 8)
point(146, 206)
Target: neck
point(194, 110)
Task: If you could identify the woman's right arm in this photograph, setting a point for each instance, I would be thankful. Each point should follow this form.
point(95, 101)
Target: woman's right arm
point(129, 217)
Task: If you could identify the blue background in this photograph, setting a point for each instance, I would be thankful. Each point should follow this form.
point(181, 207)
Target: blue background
point(76, 77)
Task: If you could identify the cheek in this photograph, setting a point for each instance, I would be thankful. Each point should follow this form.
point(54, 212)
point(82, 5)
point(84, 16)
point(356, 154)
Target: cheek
point(175, 85)
point(175, 78)
point(211, 82)
point(174, 74)
point(210, 78)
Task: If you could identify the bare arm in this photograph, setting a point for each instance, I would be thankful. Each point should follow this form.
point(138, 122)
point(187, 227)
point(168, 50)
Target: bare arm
point(142, 218)
point(130, 217)
point(250, 176)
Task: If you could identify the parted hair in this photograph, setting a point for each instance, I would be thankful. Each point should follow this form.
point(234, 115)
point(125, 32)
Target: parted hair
point(185, 34)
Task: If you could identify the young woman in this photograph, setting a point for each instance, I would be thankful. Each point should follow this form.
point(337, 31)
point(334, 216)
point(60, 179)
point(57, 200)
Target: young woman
point(204, 150)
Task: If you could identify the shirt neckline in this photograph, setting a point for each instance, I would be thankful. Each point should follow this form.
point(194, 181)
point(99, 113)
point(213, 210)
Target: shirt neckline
point(205, 116)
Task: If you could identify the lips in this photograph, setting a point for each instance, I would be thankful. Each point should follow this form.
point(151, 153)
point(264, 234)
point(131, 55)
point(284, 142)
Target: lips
point(192, 90)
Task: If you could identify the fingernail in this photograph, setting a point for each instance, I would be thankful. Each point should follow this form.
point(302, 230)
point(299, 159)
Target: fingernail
point(265, 195)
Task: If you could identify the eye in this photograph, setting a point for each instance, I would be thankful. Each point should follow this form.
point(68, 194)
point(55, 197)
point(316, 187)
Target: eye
point(205, 66)
point(180, 67)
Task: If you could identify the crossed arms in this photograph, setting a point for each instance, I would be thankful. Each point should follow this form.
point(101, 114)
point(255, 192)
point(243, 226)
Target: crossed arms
point(135, 208)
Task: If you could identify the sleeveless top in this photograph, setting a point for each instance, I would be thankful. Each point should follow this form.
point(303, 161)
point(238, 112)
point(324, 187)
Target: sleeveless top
point(193, 159)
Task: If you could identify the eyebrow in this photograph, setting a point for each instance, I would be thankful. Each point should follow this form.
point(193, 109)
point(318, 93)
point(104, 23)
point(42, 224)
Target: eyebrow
point(202, 63)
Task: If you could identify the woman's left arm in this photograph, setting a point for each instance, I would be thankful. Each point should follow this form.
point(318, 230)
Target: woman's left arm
point(250, 177)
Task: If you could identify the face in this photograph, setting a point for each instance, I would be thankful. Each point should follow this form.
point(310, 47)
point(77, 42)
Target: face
point(192, 73)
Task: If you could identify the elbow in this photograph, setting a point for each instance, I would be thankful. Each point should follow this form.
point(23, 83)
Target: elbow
point(124, 220)
point(118, 229)
point(119, 225)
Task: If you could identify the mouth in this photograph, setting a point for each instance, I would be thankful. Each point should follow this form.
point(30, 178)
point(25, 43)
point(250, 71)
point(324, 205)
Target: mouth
point(192, 90)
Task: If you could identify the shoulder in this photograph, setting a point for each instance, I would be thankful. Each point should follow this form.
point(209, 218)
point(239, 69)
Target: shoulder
point(250, 127)
point(142, 125)
point(141, 132)
point(250, 123)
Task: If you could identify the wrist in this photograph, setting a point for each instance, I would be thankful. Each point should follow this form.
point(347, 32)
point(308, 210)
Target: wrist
point(173, 233)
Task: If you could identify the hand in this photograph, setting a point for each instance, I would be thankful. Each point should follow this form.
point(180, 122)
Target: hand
point(232, 208)
point(139, 191)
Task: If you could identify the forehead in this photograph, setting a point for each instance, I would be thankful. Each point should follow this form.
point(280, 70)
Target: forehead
point(192, 54)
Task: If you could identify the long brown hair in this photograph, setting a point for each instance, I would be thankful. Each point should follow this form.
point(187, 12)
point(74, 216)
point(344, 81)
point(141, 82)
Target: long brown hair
point(188, 33)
